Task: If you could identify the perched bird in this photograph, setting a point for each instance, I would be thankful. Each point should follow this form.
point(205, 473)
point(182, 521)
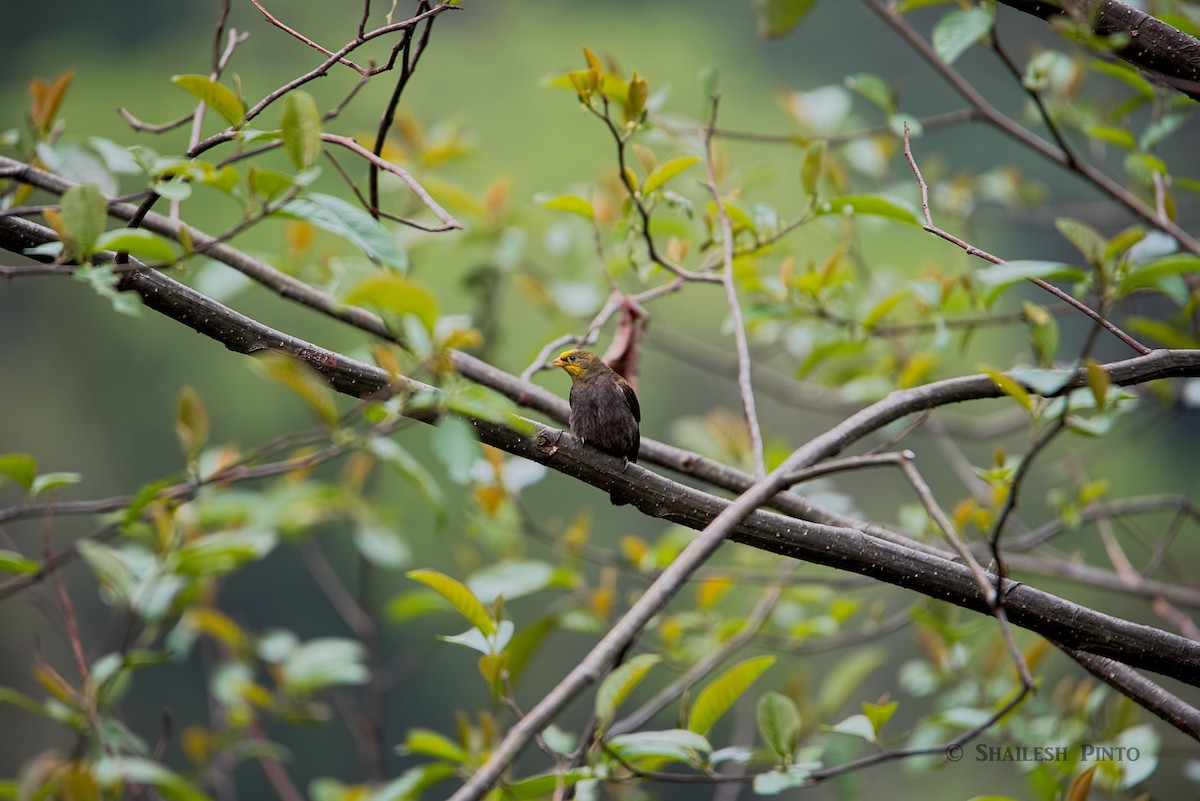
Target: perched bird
point(604, 408)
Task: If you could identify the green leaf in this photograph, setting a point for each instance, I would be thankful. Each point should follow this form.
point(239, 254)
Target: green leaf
point(873, 88)
point(84, 214)
point(48, 482)
point(873, 205)
point(1151, 273)
point(1008, 386)
point(111, 771)
point(139, 243)
point(457, 447)
point(1086, 239)
point(1171, 336)
point(19, 467)
point(716, 699)
point(812, 165)
point(844, 678)
point(1043, 332)
point(395, 456)
point(324, 662)
point(879, 714)
point(617, 685)
point(219, 98)
point(351, 223)
point(779, 723)
point(955, 32)
point(13, 562)
point(1120, 137)
point(381, 545)
point(572, 203)
point(546, 785)
point(433, 744)
point(459, 597)
point(666, 171)
point(676, 745)
point(300, 379)
point(997, 278)
point(191, 423)
point(410, 783)
point(223, 552)
point(396, 294)
point(856, 726)
point(774, 782)
point(1098, 381)
point(103, 281)
point(301, 124)
point(511, 578)
point(883, 308)
point(777, 18)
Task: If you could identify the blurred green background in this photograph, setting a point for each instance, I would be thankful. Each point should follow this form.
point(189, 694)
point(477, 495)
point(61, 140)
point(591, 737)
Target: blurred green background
point(86, 390)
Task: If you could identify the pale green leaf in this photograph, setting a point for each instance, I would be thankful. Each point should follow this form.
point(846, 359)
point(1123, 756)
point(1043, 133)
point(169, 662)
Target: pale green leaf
point(666, 171)
point(571, 203)
point(777, 18)
point(351, 223)
point(396, 294)
point(778, 723)
point(218, 97)
point(301, 124)
point(137, 242)
point(459, 597)
point(955, 32)
point(617, 685)
point(716, 699)
point(873, 205)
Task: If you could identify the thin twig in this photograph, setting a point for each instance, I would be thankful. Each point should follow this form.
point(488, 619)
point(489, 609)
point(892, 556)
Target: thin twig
point(971, 250)
point(745, 387)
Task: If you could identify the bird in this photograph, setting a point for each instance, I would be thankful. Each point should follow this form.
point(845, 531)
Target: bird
point(604, 409)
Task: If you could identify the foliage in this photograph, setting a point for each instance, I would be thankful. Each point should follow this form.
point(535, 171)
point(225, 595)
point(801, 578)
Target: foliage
point(824, 312)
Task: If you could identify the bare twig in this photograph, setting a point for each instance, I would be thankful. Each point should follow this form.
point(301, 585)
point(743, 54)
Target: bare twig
point(971, 250)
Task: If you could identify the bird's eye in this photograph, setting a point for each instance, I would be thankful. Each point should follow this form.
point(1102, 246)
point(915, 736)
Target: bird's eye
point(571, 358)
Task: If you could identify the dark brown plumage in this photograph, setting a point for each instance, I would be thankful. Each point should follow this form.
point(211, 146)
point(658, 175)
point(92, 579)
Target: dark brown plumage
point(604, 408)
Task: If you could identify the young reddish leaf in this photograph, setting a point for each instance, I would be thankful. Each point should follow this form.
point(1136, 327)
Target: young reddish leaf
point(45, 98)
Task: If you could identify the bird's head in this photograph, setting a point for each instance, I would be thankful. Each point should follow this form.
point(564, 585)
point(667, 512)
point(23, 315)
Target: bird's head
point(579, 363)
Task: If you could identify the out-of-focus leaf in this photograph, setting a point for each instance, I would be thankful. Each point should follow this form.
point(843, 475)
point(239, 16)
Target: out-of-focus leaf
point(433, 744)
point(666, 171)
point(19, 467)
point(410, 783)
point(775, 782)
point(324, 662)
point(457, 447)
point(618, 684)
point(459, 597)
point(301, 124)
point(546, 785)
point(45, 98)
point(1009, 386)
point(84, 214)
point(777, 18)
point(381, 545)
point(111, 771)
point(778, 723)
point(1098, 382)
point(1086, 239)
point(191, 422)
point(844, 678)
point(1151, 273)
point(395, 456)
point(351, 223)
point(510, 578)
point(222, 552)
point(137, 242)
point(13, 562)
point(958, 30)
point(572, 203)
point(676, 745)
point(48, 482)
point(219, 98)
point(476, 640)
point(716, 699)
point(998, 277)
point(394, 293)
point(873, 205)
point(873, 88)
point(302, 380)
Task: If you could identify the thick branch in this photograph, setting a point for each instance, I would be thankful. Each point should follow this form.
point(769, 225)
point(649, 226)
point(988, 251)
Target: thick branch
point(1167, 54)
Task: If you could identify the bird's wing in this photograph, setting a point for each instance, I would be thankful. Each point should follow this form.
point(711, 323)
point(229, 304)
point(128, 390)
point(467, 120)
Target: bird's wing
point(631, 399)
